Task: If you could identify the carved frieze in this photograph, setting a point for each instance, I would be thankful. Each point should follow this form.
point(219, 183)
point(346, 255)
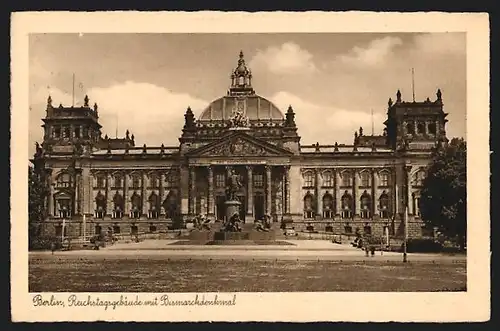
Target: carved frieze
point(238, 147)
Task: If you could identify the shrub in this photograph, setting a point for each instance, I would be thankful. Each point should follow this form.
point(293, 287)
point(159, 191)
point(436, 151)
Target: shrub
point(423, 246)
point(44, 243)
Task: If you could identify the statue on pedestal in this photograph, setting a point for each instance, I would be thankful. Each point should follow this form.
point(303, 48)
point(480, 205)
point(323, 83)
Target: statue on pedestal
point(233, 186)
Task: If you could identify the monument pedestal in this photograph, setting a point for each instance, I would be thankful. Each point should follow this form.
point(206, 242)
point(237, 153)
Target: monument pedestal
point(232, 207)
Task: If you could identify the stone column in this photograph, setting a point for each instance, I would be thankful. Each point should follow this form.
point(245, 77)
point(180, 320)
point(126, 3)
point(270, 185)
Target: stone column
point(319, 201)
point(268, 190)
point(287, 189)
point(109, 196)
point(408, 196)
point(50, 198)
point(395, 192)
point(161, 194)
point(81, 132)
point(125, 194)
point(210, 202)
point(80, 194)
point(375, 191)
point(357, 201)
point(337, 194)
point(192, 190)
point(415, 127)
point(249, 191)
point(144, 195)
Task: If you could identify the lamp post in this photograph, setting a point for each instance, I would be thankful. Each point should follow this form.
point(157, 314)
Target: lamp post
point(405, 218)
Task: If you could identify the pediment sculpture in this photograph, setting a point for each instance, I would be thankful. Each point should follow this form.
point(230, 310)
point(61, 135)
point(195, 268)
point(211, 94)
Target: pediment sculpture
point(238, 147)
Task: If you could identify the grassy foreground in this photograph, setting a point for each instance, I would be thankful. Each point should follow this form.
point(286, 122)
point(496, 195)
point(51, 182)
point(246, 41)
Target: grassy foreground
point(87, 274)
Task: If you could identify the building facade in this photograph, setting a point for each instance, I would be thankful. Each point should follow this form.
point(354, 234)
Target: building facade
point(103, 184)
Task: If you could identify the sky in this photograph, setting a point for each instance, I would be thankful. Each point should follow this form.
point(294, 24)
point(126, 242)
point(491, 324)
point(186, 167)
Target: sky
point(335, 82)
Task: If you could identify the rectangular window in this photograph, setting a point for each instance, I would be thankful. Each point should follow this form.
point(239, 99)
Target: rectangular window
point(384, 179)
point(309, 179)
point(346, 179)
point(220, 180)
point(365, 179)
point(348, 229)
point(258, 180)
point(328, 179)
point(57, 132)
point(77, 132)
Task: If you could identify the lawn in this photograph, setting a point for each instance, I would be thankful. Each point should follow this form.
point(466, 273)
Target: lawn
point(90, 274)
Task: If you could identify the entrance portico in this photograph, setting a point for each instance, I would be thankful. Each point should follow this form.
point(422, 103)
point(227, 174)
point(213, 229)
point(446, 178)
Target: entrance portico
point(265, 189)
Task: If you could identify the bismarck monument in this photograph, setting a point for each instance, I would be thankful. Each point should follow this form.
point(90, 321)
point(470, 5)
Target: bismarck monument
point(233, 231)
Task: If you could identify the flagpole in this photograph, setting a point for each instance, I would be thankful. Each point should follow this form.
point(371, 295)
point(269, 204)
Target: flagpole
point(73, 95)
point(84, 227)
point(62, 232)
point(413, 83)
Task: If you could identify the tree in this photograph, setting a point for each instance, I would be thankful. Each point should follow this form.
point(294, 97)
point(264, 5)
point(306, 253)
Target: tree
point(444, 193)
point(37, 193)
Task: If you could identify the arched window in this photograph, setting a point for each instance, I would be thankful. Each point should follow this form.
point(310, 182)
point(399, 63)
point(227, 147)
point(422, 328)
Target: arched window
point(118, 181)
point(384, 179)
point(410, 128)
point(100, 181)
point(365, 179)
point(154, 181)
point(64, 207)
point(308, 179)
point(432, 128)
point(346, 204)
point(171, 180)
point(154, 206)
point(64, 181)
point(420, 128)
point(57, 132)
point(418, 178)
point(346, 179)
point(366, 205)
point(170, 205)
point(309, 206)
point(384, 205)
point(136, 181)
point(327, 179)
point(100, 202)
point(328, 205)
point(119, 206)
point(136, 201)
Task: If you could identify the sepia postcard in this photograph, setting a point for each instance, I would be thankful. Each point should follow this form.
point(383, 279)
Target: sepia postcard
point(232, 166)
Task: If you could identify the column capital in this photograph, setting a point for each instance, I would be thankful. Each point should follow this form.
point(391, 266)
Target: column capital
point(268, 168)
point(249, 167)
point(407, 168)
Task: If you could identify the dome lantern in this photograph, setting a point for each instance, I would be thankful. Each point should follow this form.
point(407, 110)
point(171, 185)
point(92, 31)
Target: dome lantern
point(241, 78)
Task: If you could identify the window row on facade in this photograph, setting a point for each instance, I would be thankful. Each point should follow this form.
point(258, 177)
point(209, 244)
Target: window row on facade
point(421, 127)
point(136, 205)
point(327, 179)
point(136, 180)
point(70, 131)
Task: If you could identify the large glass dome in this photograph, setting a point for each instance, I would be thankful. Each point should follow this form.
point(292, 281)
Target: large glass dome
point(254, 107)
point(241, 98)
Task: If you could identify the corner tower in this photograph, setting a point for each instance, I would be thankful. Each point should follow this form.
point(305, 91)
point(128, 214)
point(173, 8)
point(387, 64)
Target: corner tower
point(417, 126)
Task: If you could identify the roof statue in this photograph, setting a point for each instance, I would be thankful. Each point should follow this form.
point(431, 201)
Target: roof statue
point(238, 119)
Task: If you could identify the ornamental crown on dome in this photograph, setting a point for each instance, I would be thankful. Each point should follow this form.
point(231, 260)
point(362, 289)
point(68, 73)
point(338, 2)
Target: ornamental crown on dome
point(241, 79)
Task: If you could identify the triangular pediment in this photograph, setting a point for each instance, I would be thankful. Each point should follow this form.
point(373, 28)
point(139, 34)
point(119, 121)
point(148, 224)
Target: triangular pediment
point(239, 144)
